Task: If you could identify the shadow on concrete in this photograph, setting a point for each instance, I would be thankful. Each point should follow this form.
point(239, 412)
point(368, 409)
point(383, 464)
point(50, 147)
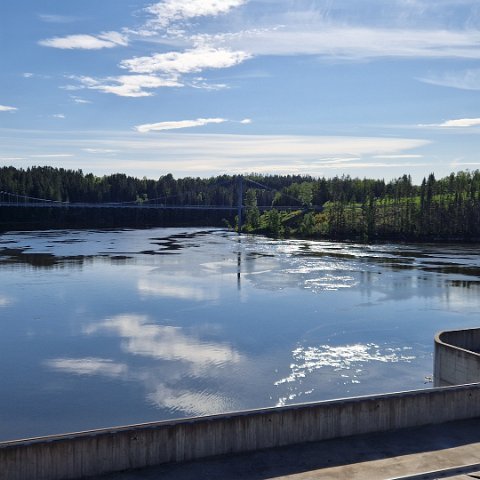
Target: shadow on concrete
point(372, 456)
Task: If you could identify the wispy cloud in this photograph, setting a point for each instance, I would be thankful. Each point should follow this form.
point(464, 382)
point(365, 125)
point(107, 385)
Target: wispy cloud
point(100, 150)
point(203, 84)
point(456, 123)
point(79, 100)
point(126, 85)
point(86, 42)
point(353, 42)
point(6, 108)
point(157, 127)
point(464, 164)
point(59, 115)
point(49, 18)
point(11, 159)
point(193, 60)
point(52, 155)
point(173, 125)
point(399, 156)
point(187, 154)
point(464, 80)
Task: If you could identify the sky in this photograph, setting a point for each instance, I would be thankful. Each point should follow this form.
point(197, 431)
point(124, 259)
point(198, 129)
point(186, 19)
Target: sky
point(366, 88)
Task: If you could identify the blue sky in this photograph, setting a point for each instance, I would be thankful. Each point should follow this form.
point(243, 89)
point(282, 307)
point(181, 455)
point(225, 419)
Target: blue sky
point(369, 88)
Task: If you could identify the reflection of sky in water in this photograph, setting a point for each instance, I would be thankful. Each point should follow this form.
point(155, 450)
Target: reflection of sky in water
point(4, 301)
point(113, 327)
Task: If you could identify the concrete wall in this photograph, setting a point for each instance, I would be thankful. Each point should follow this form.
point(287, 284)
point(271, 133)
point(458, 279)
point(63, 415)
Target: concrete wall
point(102, 451)
point(456, 360)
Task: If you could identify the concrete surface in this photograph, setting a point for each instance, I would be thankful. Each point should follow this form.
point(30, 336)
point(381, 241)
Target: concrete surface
point(456, 359)
point(413, 454)
point(97, 452)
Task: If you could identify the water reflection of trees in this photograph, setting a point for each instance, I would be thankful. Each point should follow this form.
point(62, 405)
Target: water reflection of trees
point(13, 256)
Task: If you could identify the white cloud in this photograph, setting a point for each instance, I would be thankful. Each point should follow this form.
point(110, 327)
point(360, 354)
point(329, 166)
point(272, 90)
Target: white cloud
point(461, 122)
point(157, 127)
point(193, 60)
point(87, 42)
point(88, 366)
point(59, 115)
point(457, 123)
point(246, 121)
point(5, 108)
point(170, 11)
point(128, 85)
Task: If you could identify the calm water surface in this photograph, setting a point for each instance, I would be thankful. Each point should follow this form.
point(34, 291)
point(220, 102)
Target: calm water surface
point(102, 328)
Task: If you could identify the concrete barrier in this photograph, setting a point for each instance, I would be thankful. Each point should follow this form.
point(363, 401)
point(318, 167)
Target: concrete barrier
point(457, 358)
point(101, 451)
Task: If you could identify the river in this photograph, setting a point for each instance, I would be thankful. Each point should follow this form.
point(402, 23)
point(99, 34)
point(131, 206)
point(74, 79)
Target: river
point(104, 328)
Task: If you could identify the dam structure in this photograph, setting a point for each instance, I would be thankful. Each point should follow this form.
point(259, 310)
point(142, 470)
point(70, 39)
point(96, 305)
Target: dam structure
point(441, 425)
point(457, 357)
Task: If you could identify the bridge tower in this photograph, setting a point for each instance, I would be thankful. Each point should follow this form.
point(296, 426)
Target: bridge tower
point(239, 202)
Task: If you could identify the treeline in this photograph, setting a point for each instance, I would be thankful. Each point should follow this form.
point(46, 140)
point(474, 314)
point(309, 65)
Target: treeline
point(352, 208)
point(437, 210)
point(66, 185)
point(74, 186)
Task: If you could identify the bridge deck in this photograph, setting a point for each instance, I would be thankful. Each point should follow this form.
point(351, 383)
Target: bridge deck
point(449, 450)
point(51, 204)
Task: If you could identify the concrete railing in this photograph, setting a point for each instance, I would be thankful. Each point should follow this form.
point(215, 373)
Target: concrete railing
point(109, 450)
point(457, 360)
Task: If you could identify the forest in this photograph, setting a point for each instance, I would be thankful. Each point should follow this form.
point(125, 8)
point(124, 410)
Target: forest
point(342, 207)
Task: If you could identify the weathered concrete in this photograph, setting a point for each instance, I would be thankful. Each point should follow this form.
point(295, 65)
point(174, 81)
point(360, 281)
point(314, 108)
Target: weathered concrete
point(427, 453)
point(109, 450)
point(457, 358)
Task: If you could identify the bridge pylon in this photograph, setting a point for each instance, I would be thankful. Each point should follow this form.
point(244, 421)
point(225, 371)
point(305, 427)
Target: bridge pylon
point(239, 202)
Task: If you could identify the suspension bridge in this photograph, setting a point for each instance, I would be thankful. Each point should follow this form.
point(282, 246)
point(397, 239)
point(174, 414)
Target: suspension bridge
point(9, 199)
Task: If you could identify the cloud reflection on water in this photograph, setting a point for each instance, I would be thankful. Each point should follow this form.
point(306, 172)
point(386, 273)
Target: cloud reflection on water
point(191, 402)
point(5, 301)
point(177, 356)
point(178, 287)
point(88, 366)
point(164, 342)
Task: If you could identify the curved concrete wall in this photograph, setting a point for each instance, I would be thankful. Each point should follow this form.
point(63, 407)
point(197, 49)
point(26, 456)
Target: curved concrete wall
point(457, 358)
point(109, 450)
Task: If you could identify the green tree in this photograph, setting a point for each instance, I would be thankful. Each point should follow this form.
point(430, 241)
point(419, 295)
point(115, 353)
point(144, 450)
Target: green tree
point(252, 213)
